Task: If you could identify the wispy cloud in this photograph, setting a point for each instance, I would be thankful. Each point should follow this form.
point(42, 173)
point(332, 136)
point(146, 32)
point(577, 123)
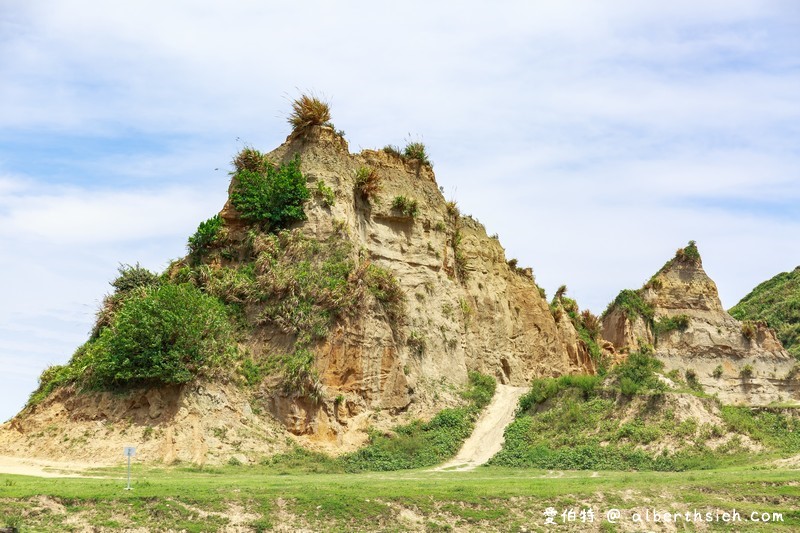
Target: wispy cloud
point(594, 137)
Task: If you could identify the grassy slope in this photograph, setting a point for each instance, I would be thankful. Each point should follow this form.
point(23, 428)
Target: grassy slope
point(777, 302)
point(628, 421)
point(487, 499)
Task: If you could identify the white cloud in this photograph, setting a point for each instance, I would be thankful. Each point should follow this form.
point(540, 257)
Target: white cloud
point(80, 217)
point(595, 137)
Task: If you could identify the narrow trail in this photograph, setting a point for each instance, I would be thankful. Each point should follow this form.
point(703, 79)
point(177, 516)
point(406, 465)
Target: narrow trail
point(487, 438)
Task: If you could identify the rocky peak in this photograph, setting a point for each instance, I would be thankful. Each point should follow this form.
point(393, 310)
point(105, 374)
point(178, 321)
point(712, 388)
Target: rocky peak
point(465, 307)
point(682, 286)
point(678, 311)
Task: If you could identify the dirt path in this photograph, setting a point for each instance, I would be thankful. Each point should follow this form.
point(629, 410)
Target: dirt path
point(42, 468)
point(487, 438)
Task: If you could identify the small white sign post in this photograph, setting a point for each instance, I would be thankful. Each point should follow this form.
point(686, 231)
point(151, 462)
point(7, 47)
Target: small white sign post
point(129, 452)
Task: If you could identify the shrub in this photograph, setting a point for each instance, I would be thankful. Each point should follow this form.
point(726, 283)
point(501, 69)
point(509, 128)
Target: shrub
point(134, 277)
point(308, 111)
point(391, 149)
point(51, 378)
point(325, 193)
point(749, 329)
point(452, 209)
point(131, 279)
point(746, 371)
point(274, 197)
point(166, 335)
point(299, 375)
point(691, 253)
point(632, 303)
point(416, 151)
point(406, 206)
point(417, 343)
point(570, 306)
point(254, 372)
point(543, 389)
point(207, 233)
point(560, 292)
point(591, 323)
point(717, 372)
point(304, 284)
point(638, 373)
point(251, 160)
point(466, 309)
point(382, 284)
point(671, 323)
point(368, 182)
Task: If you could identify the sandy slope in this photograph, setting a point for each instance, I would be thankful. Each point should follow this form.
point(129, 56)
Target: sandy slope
point(487, 438)
point(41, 468)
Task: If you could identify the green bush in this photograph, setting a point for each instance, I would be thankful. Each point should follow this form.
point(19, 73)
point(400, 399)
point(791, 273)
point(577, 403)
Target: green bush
point(393, 150)
point(382, 284)
point(638, 374)
point(165, 335)
point(406, 206)
point(670, 323)
point(632, 303)
point(325, 193)
point(690, 252)
point(131, 280)
point(51, 378)
point(134, 277)
point(207, 234)
point(299, 375)
point(417, 151)
point(274, 197)
point(542, 389)
point(303, 284)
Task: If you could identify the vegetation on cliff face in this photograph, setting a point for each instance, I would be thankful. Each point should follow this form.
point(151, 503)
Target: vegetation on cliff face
point(776, 302)
point(162, 334)
point(167, 329)
point(628, 421)
point(273, 197)
point(632, 304)
point(586, 323)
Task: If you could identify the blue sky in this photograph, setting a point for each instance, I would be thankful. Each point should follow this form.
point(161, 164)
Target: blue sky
point(594, 137)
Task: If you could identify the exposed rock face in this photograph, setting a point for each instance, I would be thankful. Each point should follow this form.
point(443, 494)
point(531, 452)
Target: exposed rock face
point(478, 314)
point(742, 364)
point(465, 309)
point(199, 423)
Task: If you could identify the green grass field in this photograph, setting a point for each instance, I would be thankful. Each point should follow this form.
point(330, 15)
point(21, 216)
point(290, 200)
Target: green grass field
point(262, 498)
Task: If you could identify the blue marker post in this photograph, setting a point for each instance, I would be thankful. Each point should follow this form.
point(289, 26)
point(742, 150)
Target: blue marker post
point(129, 452)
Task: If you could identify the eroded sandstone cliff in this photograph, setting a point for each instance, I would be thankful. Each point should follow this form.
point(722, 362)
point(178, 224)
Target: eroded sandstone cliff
point(465, 307)
point(679, 312)
point(375, 360)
